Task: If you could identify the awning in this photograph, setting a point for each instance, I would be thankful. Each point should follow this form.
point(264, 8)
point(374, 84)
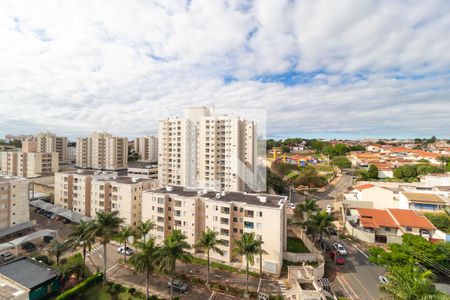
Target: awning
point(29, 237)
point(17, 228)
point(58, 210)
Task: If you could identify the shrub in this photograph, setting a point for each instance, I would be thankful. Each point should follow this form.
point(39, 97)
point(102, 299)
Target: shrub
point(45, 259)
point(132, 291)
point(81, 286)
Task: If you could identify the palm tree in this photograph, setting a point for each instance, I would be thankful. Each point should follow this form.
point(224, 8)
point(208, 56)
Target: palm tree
point(303, 212)
point(143, 229)
point(261, 252)
point(144, 259)
point(248, 246)
point(122, 237)
point(409, 282)
point(106, 226)
point(56, 249)
point(174, 248)
point(82, 235)
point(321, 222)
point(208, 241)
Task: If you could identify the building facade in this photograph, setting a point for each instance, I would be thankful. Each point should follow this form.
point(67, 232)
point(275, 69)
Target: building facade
point(88, 192)
point(14, 208)
point(29, 164)
point(49, 142)
point(102, 151)
point(205, 150)
point(147, 148)
point(230, 214)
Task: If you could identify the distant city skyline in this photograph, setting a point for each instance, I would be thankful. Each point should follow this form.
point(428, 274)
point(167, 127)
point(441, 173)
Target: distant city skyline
point(319, 68)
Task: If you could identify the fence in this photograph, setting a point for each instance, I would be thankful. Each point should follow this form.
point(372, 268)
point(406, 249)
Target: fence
point(360, 234)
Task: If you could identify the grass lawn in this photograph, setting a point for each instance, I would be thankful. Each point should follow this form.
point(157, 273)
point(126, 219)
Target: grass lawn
point(323, 168)
point(295, 245)
point(216, 265)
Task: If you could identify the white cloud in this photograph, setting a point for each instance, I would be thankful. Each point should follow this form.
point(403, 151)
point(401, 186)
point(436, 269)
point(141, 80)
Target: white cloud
point(77, 66)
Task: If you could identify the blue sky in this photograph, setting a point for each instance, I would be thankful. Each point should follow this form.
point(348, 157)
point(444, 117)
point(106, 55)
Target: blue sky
point(346, 69)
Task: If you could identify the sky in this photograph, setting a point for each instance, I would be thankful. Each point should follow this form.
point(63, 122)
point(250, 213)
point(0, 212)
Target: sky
point(344, 69)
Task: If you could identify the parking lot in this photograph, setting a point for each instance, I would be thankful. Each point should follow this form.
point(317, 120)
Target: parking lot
point(46, 223)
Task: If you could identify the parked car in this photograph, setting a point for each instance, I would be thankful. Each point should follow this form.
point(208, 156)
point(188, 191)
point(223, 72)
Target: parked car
point(48, 238)
point(42, 211)
point(49, 215)
point(125, 251)
point(332, 231)
point(340, 248)
point(66, 221)
point(329, 209)
point(334, 255)
point(292, 205)
point(179, 286)
point(382, 279)
point(29, 246)
point(6, 256)
point(325, 245)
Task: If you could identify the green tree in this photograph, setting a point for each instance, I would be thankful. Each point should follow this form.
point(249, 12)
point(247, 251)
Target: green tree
point(248, 246)
point(275, 182)
point(440, 220)
point(286, 149)
point(57, 249)
point(143, 229)
point(321, 222)
point(144, 260)
point(304, 211)
point(341, 162)
point(409, 282)
point(372, 173)
point(133, 155)
point(122, 237)
point(174, 248)
point(82, 235)
point(309, 177)
point(106, 226)
point(209, 241)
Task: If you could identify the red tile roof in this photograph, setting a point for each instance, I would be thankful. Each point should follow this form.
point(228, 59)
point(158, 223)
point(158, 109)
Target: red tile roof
point(364, 186)
point(376, 218)
point(409, 218)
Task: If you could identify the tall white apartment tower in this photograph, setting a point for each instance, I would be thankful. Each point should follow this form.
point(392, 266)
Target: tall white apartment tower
point(147, 148)
point(49, 142)
point(102, 151)
point(207, 151)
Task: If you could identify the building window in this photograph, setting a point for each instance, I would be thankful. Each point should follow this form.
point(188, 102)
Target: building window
point(249, 225)
point(259, 213)
point(235, 219)
point(408, 229)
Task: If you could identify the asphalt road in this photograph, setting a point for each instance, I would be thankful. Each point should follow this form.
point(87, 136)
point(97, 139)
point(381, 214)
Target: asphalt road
point(359, 277)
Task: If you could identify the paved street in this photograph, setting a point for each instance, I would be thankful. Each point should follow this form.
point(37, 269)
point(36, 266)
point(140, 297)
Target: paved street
point(358, 277)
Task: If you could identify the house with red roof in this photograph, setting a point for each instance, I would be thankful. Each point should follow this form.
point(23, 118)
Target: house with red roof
point(387, 225)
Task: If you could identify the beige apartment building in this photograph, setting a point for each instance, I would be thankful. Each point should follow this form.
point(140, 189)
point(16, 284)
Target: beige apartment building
point(102, 151)
point(49, 142)
point(230, 214)
point(206, 150)
point(147, 148)
point(88, 192)
point(28, 162)
point(14, 208)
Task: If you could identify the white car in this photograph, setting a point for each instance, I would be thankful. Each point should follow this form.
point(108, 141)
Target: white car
point(329, 209)
point(339, 248)
point(125, 251)
point(383, 279)
point(292, 205)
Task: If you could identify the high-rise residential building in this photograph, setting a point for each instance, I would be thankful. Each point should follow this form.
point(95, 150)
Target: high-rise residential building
point(102, 151)
point(205, 150)
point(88, 192)
point(230, 214)
point(14, 207)
point(49, 142)
point(28, 162)
point(147, 148)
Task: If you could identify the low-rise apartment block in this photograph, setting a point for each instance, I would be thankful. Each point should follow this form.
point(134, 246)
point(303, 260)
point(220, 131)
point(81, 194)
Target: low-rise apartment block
point(88, 192)
point(143, 169)
point(102, 151)
point(14, 208)
point(28, 164)
point(147, 148)
point(230, 214)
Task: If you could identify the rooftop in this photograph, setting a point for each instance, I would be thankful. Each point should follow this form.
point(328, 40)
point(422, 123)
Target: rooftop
point(424, 198)
point(409, 218)
point(6, 178)
point(253, 199)
point(364, 186)
point(27, 272)
point(375, 218)
point(142, 165)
